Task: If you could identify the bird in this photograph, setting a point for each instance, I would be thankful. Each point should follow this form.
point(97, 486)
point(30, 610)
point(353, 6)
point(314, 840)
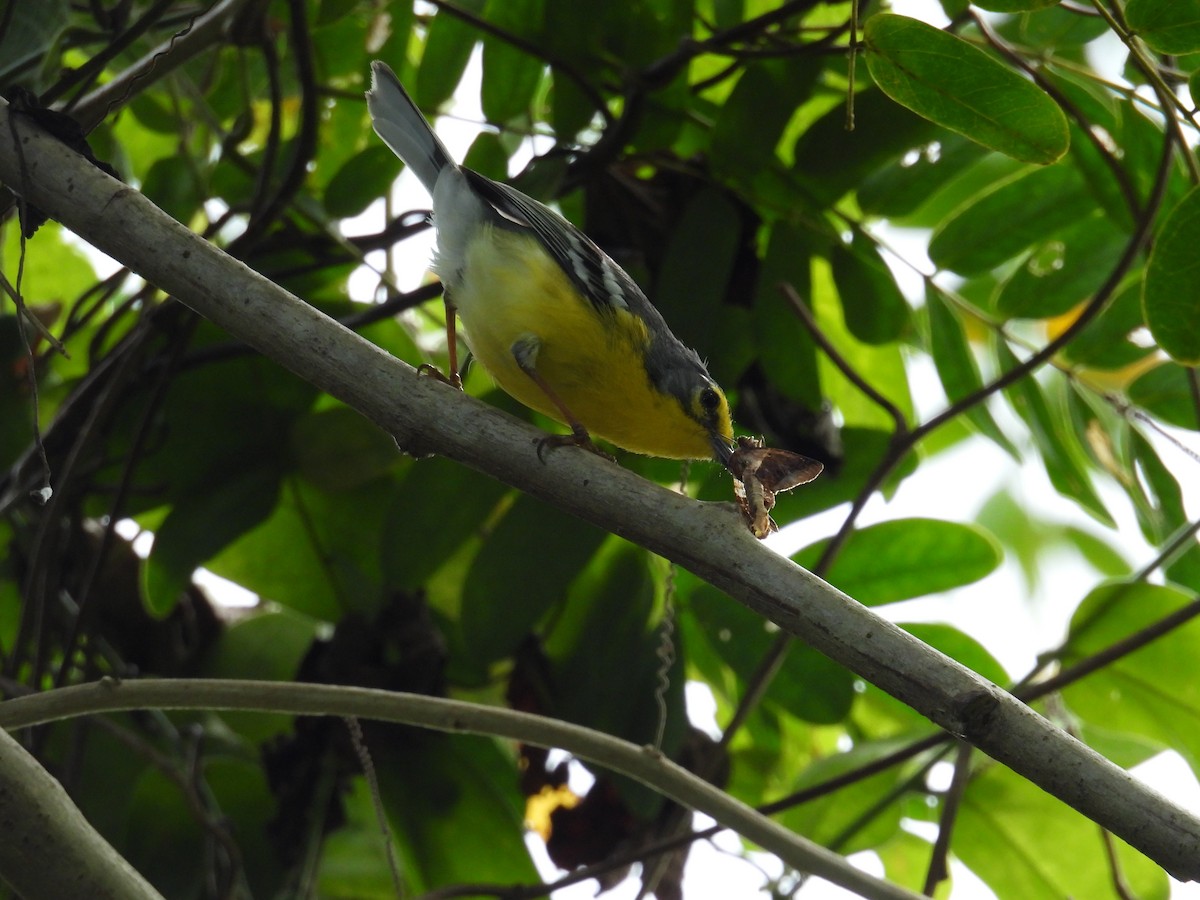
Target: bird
point(557, 323)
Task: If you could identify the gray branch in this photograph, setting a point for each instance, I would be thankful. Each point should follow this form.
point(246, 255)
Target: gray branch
point(642, 763)
point(49, 849)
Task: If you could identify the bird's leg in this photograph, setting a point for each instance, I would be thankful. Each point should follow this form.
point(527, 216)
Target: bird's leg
point(525, 352)
point(454, 380)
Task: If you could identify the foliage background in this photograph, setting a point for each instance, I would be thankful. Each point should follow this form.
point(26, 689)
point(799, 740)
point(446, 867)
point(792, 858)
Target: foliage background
point(704, 145)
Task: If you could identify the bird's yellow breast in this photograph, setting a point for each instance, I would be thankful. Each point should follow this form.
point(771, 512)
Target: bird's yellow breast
point(511, 289)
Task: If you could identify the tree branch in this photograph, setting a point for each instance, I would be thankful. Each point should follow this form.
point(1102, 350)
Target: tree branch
point(458, 717)
point(49, 849)
point(706, 538)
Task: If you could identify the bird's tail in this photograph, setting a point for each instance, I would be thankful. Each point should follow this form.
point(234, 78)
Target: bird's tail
point(397, 120)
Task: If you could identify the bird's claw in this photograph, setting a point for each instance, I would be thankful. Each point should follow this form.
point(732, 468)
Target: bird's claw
point(577, 438)
point(434, 372)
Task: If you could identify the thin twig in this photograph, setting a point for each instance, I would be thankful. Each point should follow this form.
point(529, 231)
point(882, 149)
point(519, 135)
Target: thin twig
point(939, 868)
point(385, 830)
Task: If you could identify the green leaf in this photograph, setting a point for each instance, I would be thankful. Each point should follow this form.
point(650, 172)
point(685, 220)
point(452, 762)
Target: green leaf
point(55, 268)
point(1168, 26)
point(603, 659)
point(523, 570)
point(1153, 692)
point(424, 527)
point(1172, 291)
point(830, 160)
point(267, 645)
point(1061, 453)
point(198, 526)
point(171, 184)
point(786, 350)
point(1092, 157)
point(1184, 569)
point(874, 309)
point(247, 803)
point(1001, 835)
point(163, 831)
point(263, 646)
point(448, 47)
point(571, 108)
point(958, 86)
point(849, 819)
point(898, 190)
point(333, 10)
point(809, 686)
point(1033, 206)
point(511, 74)
point(1056, 27)
point(961, 191)
point(1099, 553)
point(752, 119)
point(603, 650)
point(907, 558)
point(362, 180)
point(1158, 502)
point(30, 32)
point(353, 863)
point(488, 156)
point(881, 366)
point(339, 449)
point(697, 267)
point(1160, 510)
point(905, 859)
point(454, 809)
point(960, 647)
point(310, 555)
point(956, 366)
point(1169, 392)
point(1061, 272)
point(1105, 342)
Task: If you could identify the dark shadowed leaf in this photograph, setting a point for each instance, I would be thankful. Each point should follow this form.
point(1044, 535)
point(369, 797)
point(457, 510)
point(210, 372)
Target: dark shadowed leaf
point(453, 805)
point(197, 527)
point(753, 118)
point(510, 73)
point(874, 309)
point(522, 571)
point(362, 180)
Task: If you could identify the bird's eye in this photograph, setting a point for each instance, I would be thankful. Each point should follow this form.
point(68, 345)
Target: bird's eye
point(710, 400)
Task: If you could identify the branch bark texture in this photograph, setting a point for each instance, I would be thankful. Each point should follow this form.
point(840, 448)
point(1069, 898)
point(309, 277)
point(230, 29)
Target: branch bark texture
point(49, 849)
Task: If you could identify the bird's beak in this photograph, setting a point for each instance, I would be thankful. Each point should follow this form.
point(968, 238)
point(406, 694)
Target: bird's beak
point(722, 448)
